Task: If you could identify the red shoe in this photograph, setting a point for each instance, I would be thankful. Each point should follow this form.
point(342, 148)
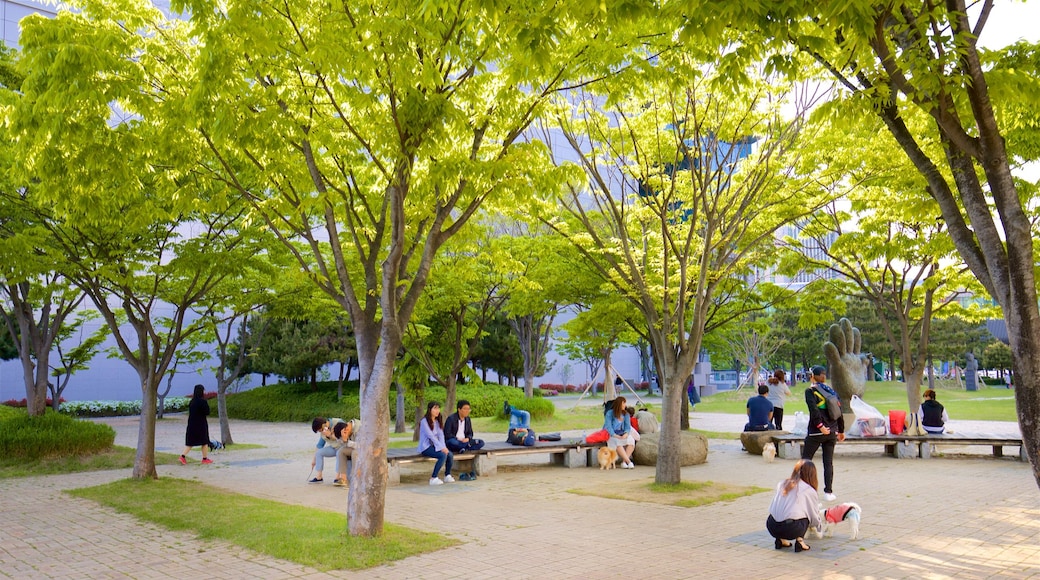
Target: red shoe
point(183, 460)
point(206, 461)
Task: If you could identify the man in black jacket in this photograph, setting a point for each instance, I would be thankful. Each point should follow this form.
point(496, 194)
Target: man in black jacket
point(458, 430)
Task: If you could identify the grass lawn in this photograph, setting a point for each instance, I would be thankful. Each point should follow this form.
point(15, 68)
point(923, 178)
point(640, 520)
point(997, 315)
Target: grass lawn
point(986, 404)
point(118, 457)
point(307, 536)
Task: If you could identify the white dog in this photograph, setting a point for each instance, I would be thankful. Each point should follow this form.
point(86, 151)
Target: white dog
point(843, 512)
point(769, 452)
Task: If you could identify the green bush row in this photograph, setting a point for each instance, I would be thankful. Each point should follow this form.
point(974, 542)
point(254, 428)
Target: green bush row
point(297, 402)
point(51, 436)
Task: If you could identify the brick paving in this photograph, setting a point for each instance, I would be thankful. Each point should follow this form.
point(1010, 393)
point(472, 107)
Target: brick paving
point(963, 515)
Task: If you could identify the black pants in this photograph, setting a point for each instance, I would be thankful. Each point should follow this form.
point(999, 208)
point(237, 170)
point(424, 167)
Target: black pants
point(787, 529)
point(778, 418)
point(814, 442)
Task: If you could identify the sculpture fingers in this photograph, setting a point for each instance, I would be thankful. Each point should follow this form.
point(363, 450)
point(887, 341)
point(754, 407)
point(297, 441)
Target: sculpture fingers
point(849, 332)
point(837, 338)
point(857, 341)
point(833, 356)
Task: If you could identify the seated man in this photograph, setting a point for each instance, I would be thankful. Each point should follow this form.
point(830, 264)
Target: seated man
point(327, 445)
point(346, 434)
point(932, 415)
point(458, 430)
point(759, 411)
point(520, 432)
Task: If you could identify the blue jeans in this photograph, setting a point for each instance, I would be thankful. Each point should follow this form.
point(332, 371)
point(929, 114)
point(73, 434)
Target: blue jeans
point(441, 458)
point(456, 446)
point(519, 419)
point(319, 457)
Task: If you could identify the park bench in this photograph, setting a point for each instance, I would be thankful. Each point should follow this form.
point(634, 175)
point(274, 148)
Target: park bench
point(906, 446)
point(568, 453)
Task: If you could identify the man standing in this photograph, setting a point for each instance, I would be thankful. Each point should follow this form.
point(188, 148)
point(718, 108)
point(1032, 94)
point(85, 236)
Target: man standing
point(759, 411)
point(458, 430)
point(826, 426)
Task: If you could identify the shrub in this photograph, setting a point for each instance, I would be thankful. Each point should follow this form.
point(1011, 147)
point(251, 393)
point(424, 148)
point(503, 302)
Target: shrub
point(25, 403)
point(297, 402)
point(52, 435)
point(294, 402)
point(119, 408)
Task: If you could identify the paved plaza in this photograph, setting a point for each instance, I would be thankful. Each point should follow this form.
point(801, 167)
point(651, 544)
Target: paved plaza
point(963, 515)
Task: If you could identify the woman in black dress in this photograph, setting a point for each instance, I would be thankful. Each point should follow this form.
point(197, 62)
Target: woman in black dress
point(198, 428)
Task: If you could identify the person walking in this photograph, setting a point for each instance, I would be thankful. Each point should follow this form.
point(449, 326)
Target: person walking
point(825, 429)
point(778, 393)
point(197, 434)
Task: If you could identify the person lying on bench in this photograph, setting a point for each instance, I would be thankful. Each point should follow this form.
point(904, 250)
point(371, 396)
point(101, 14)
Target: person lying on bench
point(520, 432)
point(458, 430)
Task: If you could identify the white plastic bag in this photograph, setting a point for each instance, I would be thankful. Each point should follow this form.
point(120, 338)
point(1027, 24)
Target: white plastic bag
point(869, 421)
point(801, 424)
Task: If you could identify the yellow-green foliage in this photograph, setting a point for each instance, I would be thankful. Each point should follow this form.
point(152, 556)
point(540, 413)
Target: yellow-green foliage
point(52, 435)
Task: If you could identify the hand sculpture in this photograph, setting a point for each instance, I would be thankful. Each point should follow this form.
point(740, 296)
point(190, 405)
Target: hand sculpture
point(847, 365)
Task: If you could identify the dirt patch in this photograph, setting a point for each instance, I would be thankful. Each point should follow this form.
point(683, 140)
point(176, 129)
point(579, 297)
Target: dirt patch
point(685, 494)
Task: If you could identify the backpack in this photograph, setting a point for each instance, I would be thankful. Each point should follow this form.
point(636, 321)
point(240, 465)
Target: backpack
point(833, 407)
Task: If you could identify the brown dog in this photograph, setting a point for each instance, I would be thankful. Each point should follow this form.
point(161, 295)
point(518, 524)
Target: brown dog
point(607, 457)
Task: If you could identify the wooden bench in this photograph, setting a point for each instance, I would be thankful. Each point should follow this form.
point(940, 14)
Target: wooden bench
point(909, 447)
point(568, 453)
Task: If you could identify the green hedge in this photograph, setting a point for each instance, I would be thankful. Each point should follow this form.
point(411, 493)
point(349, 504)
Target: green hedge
point(51, 436)
point(296, 402)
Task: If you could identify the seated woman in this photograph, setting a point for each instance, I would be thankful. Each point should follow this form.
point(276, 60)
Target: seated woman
point(617, 423)
point(932, 415)
point(795, 507)
point(431, 443)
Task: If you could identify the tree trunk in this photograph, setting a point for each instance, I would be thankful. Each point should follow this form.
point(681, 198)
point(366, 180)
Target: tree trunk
point(144, 461)
point(668, 464)
point(609, 389)
point(450, 395)
point(399, 409)
point(225, 425)
point(377, 350)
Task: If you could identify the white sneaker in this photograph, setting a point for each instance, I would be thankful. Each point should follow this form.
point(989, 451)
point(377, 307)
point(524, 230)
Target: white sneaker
point(629, 465)
point(436, 481)
point(449, 479)
point(830, 496)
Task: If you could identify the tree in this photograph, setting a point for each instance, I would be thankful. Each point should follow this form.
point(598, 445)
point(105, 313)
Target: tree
point(77, 355)
point(897, 258)
point(754, 341)
point(35, 299)
point(144, 235)
point(955, 109)
point(461, 299)
point(372, 132)
point(997, 355)
point(499, 350)
point(675, 196)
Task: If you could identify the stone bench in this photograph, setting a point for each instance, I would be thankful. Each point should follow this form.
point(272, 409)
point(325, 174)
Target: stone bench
point(907, 446)
point(484, 462)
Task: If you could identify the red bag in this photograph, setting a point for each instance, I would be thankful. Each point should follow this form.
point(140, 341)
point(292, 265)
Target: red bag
point(600, 436)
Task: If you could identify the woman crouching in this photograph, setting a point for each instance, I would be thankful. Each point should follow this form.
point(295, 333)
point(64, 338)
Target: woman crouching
point(795, 507)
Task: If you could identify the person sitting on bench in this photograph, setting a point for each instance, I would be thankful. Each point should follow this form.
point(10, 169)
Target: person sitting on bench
point(932, 414)
point(458, 430)
point(759, 411)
